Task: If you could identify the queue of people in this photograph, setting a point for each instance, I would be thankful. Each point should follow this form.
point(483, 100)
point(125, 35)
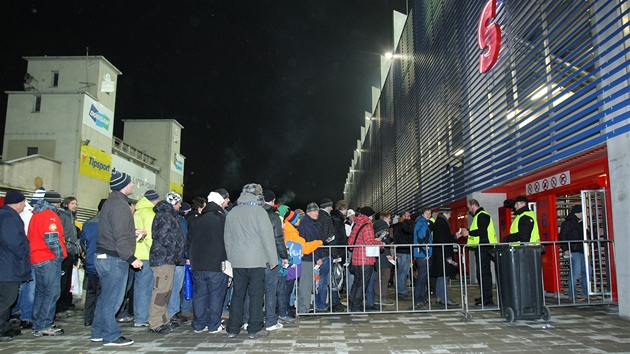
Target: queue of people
point(269, 256)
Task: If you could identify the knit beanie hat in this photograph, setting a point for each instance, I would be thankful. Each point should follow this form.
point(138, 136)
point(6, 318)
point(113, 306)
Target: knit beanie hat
point(367, 211)
point(185, 207)
point(575, 210)
point(215, 198)
point(37, 196)
point(282, 210)
point(312, 206)
point(173, 198)
point(269, 195)
point(152, 195)
point(224, 193)
point(325, 203)
point(292, 217)
point(119, 180)
point(445, 209)
point(52, 197)
point(13, 197)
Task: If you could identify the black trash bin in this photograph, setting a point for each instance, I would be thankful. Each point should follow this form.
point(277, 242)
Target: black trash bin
point(519, 275)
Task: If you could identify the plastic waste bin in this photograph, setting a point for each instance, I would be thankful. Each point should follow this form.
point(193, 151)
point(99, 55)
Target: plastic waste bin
point(519, 274)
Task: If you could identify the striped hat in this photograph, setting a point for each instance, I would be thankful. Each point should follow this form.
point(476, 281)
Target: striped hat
point(119, 180)
point(37, 196)
point(292, 217)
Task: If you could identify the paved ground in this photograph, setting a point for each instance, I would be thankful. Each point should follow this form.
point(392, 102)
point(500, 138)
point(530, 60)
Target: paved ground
point(586, 329)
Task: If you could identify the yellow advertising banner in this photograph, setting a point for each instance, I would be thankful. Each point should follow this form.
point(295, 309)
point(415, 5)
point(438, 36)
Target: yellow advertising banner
point(177, 188)
point(95, 163)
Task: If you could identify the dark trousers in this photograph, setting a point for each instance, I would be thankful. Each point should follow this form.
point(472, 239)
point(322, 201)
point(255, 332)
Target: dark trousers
point(484, 273)
point(65, 298)
point(8, 294)
point(93, 290)
point(247, 281)
point(208, 294)
point(362, 277)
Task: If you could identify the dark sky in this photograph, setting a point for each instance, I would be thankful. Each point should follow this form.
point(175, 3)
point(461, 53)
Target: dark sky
point(272, 92)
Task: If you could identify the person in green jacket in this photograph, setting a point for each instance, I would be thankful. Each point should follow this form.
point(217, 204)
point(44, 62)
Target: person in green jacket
point(143, 282)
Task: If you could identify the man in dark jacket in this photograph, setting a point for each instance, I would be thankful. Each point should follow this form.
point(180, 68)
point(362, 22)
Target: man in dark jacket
point(403, 238)
point(272, 274)
point(115, 246)
point(309, 229)
point(93, 287)
point(14, 259)
point(338, 217)
point(167, 251)
point(443, 265)
point(328, 236)
point(206, 249)
point(572, 230)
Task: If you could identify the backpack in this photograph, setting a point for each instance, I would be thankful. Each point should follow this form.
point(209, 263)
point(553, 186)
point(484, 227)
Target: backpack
point(336, 277)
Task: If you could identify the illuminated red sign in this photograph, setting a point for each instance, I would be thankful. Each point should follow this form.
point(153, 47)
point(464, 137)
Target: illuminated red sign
point(489, 37)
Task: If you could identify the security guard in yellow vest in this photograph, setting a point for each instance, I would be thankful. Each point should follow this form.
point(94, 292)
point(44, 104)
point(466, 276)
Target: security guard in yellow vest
point(524, 227)
point(481, 233)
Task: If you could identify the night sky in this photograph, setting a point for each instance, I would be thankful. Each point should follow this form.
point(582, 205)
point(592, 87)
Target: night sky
point(272, 92)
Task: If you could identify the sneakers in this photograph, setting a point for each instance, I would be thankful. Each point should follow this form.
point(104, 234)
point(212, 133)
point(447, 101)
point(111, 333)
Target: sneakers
point(26, 324)
point(163, 329)
point(386, 302)
point(260, 334)
point(218, 330)
point(119, 342)
point(231, 335)
point(125, 319)
point(178, 317)
point(52, 331)
point(172, 324)
point(96, 339)
point(245, 325)
point(205, 329)
point(285, 320)
point(452, 303)
point(274, 327)
point(143, 324)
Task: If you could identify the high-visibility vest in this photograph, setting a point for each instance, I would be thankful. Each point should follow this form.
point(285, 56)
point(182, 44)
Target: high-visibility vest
point(535, 236)
point(492, 234)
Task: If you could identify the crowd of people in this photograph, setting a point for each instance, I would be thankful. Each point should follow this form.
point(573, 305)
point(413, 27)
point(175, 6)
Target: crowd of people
point(259, 262)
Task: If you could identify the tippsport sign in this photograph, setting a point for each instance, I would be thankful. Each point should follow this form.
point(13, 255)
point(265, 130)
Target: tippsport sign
point(488, 37)
point(556, 181)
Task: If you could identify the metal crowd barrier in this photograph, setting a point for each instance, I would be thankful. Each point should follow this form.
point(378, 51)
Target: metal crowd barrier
point(463, 288)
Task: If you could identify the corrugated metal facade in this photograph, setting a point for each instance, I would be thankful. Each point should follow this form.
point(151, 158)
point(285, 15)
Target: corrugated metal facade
point(441, 130)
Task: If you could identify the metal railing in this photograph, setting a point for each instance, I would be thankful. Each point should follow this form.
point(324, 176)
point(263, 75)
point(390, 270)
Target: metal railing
point(462, 287)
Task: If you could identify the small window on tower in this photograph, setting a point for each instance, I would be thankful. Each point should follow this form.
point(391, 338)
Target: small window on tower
point(37, 104)
point(32, 150)
point(54, 82)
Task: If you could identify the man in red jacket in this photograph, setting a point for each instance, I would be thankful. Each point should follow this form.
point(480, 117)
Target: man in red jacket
point(362, 265)
point(48, 249)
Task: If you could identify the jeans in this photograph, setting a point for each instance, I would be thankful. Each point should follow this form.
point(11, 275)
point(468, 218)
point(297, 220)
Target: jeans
point(349, 274)
point(142, 290)
point(271, 297)
point(404, 262)
point(26, 298)
point(208, 294)
point(441, 290)
point(113, 273)
point(322, 287)
point(124, 307)
point(578, 270)
point(47, 291)
point(285, 288)
point(247, 281)
point(93, 290)
point(175, 301)
point(369, 291)
point(362, 276)
point(186, 305)
point(305, 287)
point(421, 284)
point(228, 298)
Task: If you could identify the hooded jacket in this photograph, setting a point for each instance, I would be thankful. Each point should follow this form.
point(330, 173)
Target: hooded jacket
point(168, 239)
point(249, 239)
point(571, 230)
point(45, 234)
point(206, 246)
point(143, 220)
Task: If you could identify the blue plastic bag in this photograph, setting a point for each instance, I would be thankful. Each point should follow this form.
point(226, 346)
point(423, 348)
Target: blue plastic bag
point(188, 283)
